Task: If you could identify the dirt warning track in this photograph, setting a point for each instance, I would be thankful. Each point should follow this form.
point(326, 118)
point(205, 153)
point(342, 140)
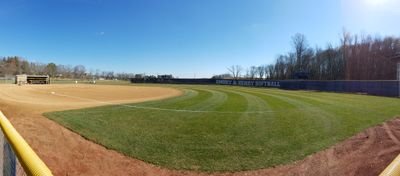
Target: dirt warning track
point(67, 153)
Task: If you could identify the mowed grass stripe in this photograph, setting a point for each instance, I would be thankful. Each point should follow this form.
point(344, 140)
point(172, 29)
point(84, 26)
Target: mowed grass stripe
point(331, 117)
point(309, 113)
point(197, 99)
point(301, 123)
point(217, 99)
point(187, 95)
point(234, 102)
point(185, 105)
point(344, 109)
point(360, 104)
point(344, 98)
point(254, 103)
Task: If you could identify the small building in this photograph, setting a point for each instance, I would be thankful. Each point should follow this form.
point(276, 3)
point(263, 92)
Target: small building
point(21, 79)
point(32, 79)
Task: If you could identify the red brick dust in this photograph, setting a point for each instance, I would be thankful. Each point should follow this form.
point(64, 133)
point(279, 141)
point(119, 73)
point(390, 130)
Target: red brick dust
point(67, 153)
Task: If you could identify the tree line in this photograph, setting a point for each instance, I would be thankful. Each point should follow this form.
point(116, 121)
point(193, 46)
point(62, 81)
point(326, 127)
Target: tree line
point(358, 57)
point(14, 65)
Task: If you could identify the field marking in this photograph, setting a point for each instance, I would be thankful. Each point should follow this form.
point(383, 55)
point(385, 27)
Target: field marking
point(160, 109)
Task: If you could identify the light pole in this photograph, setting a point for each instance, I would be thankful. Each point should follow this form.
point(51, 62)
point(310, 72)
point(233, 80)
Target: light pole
point(398, 71)
point(396, 58)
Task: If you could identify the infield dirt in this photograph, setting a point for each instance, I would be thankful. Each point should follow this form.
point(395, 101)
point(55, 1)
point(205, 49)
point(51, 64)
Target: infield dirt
point(67, 153)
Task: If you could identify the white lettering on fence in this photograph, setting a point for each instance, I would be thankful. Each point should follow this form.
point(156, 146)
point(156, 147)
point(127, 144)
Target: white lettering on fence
point(255, 83)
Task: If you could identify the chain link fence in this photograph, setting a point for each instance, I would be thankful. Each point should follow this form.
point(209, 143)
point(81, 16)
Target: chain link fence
point(9, 163)
point(7, 80)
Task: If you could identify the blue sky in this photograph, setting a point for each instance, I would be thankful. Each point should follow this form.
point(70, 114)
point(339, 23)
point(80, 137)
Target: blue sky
point(186, 38)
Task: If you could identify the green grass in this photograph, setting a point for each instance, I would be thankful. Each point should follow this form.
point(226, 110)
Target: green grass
point(233, 128)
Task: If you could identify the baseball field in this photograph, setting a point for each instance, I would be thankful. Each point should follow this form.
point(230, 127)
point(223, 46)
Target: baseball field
point(221, 128)
point(178, 129)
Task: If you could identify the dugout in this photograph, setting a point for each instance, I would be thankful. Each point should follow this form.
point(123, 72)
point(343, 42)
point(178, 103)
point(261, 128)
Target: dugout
point(32, 79)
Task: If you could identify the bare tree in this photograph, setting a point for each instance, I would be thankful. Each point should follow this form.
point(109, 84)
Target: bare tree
point(300, 45)
point(270, 70)
point(260, 71)
point(252, 72)
point(235, 70)
point(51, 69)
point(345, 41)
point(79, 71)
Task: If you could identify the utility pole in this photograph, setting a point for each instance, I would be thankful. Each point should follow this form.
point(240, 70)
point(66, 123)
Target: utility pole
point(398, 73)
point(396, 59)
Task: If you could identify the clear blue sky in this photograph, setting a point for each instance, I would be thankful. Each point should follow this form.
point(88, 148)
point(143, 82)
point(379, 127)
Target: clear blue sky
point(180, 37)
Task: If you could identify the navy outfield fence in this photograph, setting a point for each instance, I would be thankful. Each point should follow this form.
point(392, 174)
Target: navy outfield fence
point(389, 88)
point(381, 88)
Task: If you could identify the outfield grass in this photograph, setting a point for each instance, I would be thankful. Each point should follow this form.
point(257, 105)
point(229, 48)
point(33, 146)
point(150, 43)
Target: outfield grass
point(229, 128)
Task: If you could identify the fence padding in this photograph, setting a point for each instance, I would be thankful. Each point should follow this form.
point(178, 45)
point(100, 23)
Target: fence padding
point(31, 163)
point(380, 88)
point(393, 169)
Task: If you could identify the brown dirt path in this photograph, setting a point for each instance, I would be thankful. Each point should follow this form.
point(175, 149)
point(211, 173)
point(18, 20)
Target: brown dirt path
point(67, 153)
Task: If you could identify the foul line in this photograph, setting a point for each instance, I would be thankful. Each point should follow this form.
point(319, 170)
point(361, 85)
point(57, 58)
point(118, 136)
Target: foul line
point(160, 109)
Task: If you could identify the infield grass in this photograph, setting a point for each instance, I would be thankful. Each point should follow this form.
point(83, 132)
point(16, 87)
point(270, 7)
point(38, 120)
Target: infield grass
point(229, 128)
